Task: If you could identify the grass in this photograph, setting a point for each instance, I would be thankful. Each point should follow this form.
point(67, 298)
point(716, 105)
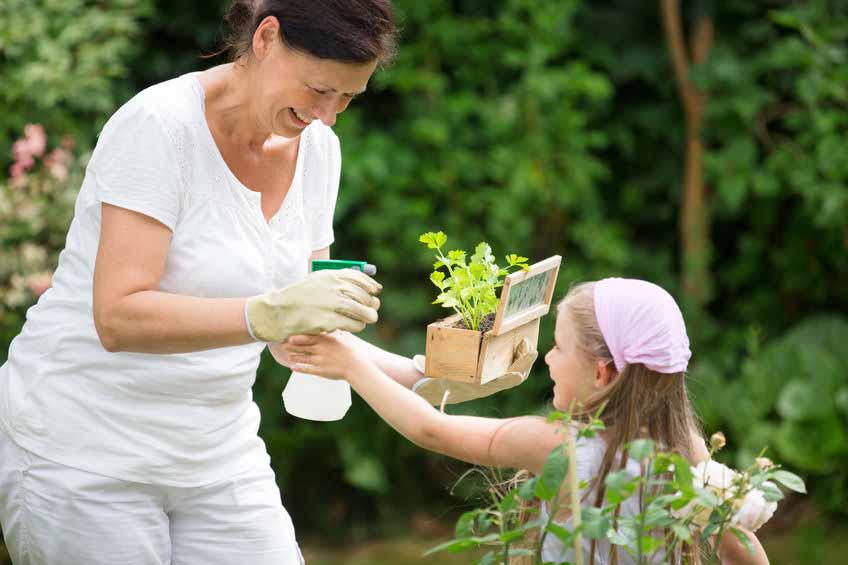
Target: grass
point(406, 550)
point(806, 538)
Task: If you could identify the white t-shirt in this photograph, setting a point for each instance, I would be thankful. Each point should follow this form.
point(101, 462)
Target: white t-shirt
point(181, 419)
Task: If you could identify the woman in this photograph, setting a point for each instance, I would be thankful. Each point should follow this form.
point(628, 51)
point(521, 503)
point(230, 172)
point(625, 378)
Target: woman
point(128, 433)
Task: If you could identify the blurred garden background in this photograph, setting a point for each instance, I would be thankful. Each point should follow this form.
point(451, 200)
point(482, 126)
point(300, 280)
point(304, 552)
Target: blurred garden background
point(701, 146)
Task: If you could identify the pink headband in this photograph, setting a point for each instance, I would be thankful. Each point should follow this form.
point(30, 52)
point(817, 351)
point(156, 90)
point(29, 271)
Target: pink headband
point(641, 323)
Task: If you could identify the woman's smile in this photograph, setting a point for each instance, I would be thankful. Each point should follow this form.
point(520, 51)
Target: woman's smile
point(299, 119)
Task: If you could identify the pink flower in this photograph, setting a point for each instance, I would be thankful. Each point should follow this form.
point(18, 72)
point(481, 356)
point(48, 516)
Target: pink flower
point(37, 138)
point(56, 163)
point(26, 149)
point(23, 158)
point(17, 169)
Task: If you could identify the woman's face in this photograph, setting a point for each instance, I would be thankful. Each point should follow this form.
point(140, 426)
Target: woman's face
point(293, 88)
point(572, 373)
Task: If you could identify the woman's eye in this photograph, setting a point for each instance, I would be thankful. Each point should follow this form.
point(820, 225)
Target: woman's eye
point(322, 92)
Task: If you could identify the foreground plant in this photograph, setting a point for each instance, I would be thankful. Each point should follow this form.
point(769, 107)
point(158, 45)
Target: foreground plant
point(682, 510)
point(469, 286)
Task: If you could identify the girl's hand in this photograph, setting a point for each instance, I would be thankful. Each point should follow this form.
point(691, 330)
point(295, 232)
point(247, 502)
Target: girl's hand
point(332, 355)
point(281, 354)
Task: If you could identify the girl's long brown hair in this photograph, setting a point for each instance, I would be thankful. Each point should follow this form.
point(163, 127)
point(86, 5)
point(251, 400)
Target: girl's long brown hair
point(639, 403)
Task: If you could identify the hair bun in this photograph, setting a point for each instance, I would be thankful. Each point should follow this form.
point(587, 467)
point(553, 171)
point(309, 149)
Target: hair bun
point(239, 15)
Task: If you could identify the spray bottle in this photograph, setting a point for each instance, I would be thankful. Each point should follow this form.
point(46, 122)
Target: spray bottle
point(316, 398)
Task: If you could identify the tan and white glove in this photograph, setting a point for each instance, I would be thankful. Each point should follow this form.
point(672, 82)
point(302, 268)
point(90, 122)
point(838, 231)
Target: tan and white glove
point(433, 390)
point(342, 299)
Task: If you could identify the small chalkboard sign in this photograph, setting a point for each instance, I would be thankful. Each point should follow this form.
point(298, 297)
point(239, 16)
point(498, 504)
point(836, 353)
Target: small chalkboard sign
point(526, 295)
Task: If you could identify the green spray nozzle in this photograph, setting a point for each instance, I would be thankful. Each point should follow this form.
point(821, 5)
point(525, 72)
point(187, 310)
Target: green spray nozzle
point(328, 264)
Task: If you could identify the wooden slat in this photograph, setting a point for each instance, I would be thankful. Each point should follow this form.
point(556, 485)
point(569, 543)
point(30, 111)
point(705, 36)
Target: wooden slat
point(503, 323)
point(497, 352)
point(452, 353)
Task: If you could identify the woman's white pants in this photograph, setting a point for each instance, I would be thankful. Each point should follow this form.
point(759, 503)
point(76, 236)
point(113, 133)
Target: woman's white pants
point(53, 514)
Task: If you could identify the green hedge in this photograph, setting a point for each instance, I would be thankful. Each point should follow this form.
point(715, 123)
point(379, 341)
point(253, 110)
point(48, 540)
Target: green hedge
point(554, 127)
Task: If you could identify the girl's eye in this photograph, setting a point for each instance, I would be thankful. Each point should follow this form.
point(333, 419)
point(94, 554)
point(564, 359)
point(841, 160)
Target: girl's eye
point(320, 91)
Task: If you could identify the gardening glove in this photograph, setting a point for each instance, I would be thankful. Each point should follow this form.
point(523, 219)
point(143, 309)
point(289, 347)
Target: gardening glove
point(433, 390)
point(342, 299)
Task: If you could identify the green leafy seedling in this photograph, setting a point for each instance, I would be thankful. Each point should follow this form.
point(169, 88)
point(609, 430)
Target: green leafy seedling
point(469, 285)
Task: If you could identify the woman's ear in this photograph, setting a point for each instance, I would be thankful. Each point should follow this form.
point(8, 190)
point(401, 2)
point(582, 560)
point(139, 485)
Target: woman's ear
point(605, 374)
point(265, 36)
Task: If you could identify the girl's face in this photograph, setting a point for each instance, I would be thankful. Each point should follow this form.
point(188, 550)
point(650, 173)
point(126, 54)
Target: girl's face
point(292, 88)
point(573, 374)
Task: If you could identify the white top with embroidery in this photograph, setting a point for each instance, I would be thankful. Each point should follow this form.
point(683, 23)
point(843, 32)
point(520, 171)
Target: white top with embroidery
point(589, 454)
point(182, 419)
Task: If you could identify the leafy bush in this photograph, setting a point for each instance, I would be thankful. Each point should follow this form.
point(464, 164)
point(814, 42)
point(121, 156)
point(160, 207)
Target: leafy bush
point(36, 207)
point(64, 63)
point(791, 394)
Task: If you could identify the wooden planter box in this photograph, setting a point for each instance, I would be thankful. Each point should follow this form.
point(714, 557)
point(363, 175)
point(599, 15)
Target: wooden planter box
point(479, 357)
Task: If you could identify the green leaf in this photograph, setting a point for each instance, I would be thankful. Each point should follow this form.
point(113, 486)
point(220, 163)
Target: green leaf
point(682, 532)
point(511, 535)
point(527, 491)
point(801, 400)
point(620, 486)
point(746, 541)
point(465, 524)
point(437, 277)
point(460, 545)
point(771, 493)
point(640, 449)
point(707, 497)
point(457, 256)
point(509, 502)
point(683, 476)
point(429, 239)
point(650, 544)
point(482, 254)
point(711, 528)
point(514, 259)
point(789, 480)
point(561, 532)
point(595, 523)
point(553, 473)
point(489, 559)
point(617, 538)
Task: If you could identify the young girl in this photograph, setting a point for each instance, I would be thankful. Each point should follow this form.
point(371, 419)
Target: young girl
point(617, 341)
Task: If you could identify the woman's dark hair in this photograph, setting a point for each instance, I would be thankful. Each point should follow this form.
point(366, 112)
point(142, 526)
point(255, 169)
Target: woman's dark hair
point(351, 31)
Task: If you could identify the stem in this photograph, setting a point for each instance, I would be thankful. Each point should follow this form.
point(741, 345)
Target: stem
point(645, 474)
point(574, 487)
point(446, 262)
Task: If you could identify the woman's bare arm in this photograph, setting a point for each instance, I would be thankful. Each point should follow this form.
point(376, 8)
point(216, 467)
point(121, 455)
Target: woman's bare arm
point(131, 314)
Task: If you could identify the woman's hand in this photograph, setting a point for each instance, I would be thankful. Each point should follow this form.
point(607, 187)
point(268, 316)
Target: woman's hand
point(322, 302)
point(332, 355)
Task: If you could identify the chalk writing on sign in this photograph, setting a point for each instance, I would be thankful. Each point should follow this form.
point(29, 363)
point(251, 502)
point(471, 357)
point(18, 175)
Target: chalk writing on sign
point(530, 292)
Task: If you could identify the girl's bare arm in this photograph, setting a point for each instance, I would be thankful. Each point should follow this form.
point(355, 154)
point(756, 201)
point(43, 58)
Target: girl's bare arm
point(523, 442)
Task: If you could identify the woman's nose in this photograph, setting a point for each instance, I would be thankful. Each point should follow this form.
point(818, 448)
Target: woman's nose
point(326, 110)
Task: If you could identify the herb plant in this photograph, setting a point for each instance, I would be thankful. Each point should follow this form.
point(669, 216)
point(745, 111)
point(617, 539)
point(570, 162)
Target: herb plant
point(470, 286)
